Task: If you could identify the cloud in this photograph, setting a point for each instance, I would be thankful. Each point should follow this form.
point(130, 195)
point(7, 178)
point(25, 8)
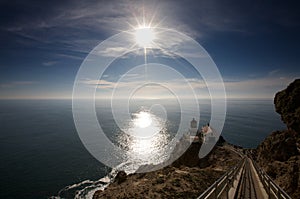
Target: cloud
point(265, 87)
point(79, 26)
point(155, 88)
point(187, 16)
point(16, 84)
point(49, 63)
point(274, 72)
point(112, 51)
point(70, 56)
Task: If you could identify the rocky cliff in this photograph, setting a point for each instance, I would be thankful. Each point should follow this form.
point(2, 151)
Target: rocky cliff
point(287, 104)
point(279, 153)
point(187, 177)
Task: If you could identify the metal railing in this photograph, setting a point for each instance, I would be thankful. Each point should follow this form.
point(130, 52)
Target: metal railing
point(223, 184)
point(272, 189)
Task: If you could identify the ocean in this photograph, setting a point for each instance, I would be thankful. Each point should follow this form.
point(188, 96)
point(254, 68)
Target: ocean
point(41, 152)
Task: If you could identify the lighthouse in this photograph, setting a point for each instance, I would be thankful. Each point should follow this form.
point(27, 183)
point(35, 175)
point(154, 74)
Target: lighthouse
point(194, 127)
point(193, 137)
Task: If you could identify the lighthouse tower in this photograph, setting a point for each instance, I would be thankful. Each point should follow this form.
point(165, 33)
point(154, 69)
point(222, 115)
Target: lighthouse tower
point(194, 127)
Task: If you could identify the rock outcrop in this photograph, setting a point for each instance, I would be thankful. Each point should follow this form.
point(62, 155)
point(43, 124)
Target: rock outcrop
point(279, 153)
point(189, 157)
point(287, 104)
point(120, 177)
point(279, 146)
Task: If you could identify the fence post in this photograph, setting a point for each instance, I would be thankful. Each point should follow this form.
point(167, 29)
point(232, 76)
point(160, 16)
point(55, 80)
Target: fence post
point(269, 187)
point(227, 186)
point(216, 194)
point(278, 193)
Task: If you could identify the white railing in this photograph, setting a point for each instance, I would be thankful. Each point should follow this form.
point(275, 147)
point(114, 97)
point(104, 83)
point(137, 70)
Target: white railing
point(223, 184)
point(272, 189)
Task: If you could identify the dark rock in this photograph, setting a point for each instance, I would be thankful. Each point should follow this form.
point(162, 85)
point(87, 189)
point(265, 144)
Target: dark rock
point(287, 104)
point(221, 141)
point(121, 177)
point(280, 146)
point(190, 157)
point(97, 194)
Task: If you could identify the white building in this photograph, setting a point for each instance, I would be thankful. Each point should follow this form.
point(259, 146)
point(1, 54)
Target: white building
point(208, 134)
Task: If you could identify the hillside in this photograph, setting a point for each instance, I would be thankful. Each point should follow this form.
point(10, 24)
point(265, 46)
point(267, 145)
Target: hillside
point(187, 177)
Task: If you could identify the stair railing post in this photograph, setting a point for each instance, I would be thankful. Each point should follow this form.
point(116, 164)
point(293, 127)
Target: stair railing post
point(278, 193)
point(269, 187)
point(227, 186)
point(216, 194)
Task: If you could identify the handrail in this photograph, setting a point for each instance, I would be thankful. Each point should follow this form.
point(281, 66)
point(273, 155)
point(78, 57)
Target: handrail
point(272, 189)
point(224, 182)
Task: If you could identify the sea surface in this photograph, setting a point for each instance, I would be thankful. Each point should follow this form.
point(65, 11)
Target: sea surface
point(41, 153)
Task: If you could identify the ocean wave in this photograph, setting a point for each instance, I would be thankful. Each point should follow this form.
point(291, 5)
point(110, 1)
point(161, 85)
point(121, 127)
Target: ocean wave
point(87, 188)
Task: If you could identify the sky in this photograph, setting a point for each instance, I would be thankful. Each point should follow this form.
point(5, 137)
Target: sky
point(255, 44)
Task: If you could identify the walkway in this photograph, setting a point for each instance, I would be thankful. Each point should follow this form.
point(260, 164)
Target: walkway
point(249, 186)
point(244, 181)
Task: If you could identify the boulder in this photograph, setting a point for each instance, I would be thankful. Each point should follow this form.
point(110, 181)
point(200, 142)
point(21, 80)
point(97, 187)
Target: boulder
point(121, 177)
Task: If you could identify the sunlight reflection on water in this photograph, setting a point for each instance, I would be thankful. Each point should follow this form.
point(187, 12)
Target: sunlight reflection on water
point(146, 138)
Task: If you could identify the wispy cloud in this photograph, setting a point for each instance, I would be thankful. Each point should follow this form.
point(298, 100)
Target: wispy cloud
point(16, 84)
point(49, 63)
point(273, 72)
point(70, 22)
point(68, 56)
point(265, 87)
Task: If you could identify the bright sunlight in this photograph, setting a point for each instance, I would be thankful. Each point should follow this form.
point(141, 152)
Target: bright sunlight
point(144, 36)
point(143, 120)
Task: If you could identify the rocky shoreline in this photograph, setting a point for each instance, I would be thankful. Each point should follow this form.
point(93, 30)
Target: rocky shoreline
point(187, 177)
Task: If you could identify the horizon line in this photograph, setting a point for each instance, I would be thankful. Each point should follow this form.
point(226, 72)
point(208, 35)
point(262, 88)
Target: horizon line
point(141, 98)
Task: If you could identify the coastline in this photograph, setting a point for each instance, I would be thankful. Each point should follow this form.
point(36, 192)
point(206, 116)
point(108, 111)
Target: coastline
point(181, 179)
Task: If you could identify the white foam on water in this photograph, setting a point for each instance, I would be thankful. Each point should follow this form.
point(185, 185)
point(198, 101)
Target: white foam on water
point(90, 187)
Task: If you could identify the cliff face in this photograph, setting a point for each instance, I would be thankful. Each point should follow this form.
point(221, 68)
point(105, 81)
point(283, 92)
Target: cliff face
point(279, 153)
point(287, 104)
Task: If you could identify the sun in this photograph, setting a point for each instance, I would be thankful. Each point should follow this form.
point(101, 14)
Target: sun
point(144, 36)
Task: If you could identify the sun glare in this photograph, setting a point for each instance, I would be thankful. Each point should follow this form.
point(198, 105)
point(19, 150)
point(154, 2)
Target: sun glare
point(144, 36)
point(143, 120)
